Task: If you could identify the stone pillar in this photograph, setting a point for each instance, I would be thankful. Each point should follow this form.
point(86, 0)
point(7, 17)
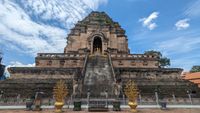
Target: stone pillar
point(106, 98)
point(88, 97)
point(124, 100)
point(174, 97)
point(189, 95)
point(157, 99)
point(140, 98)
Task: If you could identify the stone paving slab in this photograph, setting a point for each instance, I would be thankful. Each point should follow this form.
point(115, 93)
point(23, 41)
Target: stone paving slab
point(124, 111)
point(14, 107)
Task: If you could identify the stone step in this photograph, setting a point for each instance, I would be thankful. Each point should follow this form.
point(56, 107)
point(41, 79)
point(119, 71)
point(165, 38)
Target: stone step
point(98, 77)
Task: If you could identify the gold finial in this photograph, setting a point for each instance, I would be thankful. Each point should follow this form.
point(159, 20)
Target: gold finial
point(131, 92)
point(60, 92)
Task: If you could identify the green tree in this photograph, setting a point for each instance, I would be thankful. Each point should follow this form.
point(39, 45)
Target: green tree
point(164, 61)
point(195, 69)
point(1, 55)
point(152, 52)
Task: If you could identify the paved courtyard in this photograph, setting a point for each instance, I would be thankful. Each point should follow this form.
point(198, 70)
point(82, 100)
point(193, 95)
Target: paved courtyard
point(123, 111)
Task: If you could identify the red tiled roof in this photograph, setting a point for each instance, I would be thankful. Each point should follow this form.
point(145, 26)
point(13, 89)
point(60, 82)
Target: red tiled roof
point(196, 81)
point(193, 77)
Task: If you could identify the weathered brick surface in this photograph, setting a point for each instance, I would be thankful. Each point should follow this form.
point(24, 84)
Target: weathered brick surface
point(142, 68)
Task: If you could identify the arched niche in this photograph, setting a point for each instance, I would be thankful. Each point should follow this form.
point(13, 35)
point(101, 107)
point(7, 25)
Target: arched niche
point(97, 45)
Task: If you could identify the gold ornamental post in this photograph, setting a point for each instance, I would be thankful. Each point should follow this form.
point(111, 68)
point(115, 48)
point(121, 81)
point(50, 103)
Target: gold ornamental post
point(60, 92)
point(131, 92)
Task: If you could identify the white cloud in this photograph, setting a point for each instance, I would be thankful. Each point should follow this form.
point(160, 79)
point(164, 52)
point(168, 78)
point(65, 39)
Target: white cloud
point(183, 51)
point(19, 64)
point(179, 45)
point(93, 4)
point(185, 62)
point(17, 28)
point(148, 21)
point(182, 24)
point(16, 64)
point(6, 73)
point(182, 47)
point(193, 10)
point(66, 12)
point(24, 24)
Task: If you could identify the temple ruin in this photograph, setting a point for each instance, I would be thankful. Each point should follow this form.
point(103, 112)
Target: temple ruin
point(97, 59)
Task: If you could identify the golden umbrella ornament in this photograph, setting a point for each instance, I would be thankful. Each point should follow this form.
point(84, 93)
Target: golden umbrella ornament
point(60, 92)
point(131, 92)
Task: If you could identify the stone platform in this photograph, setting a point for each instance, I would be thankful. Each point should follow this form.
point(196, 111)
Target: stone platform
point(98, 33)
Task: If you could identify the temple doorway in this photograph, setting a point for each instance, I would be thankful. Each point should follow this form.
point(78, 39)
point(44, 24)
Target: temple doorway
point(97, 45)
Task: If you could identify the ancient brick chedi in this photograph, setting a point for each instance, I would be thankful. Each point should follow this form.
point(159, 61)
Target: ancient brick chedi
point(97, 59)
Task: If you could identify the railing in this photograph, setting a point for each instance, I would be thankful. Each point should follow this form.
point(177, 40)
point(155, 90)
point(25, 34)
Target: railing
point(85, 64)
point(111, 65)
point(22, 101)
point(133, 56)
point(58, 55)
point(123, 101)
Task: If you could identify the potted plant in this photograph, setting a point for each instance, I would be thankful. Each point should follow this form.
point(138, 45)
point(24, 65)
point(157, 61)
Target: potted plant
point(77, 105)
point(116, 105)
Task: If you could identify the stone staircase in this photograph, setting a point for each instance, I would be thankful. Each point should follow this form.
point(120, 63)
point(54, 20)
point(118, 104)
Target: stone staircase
point(98, 79)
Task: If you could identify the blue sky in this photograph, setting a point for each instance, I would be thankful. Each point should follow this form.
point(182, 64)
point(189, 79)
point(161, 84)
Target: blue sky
point(28, 27)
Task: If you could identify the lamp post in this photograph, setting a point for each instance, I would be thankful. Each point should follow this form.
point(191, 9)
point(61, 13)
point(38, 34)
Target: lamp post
point(189, 95)
point(140, 97)
point(174, 97)
point(18, 98)
point(1, 94)
point(156, 95)
point(88, 97)
point(106, 97)
point(124, 100)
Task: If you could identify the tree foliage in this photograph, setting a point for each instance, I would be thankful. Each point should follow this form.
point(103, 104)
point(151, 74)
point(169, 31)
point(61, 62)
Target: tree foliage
point(164, 61)
point(152, 52)
point(195, 69)
point(1, 55)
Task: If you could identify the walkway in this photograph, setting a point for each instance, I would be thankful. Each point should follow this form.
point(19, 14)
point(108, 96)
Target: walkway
point(123, 107)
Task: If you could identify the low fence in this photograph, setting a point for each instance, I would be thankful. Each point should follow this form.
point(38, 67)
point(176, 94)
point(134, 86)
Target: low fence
point(143, 101)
